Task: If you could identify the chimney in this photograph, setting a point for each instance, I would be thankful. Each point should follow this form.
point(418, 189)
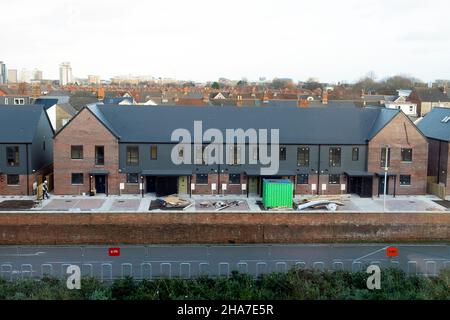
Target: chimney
point(205, 95)
point(239, 101)
point(325, 97)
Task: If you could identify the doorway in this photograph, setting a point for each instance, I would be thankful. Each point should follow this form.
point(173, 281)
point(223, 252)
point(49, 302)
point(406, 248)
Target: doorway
point(381, 185)
point(100, 183)
point(361, 186)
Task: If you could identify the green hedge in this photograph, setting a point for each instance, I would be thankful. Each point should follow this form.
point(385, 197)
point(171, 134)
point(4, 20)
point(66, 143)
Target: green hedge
point(296, 284)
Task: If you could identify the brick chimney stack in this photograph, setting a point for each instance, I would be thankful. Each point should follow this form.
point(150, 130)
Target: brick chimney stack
point(325, 96)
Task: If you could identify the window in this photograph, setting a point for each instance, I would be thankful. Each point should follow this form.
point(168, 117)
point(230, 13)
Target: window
point(406, 154)
point(405, 180)
point(282, 153)
point(303, 157)
point(19, 101)
point(12, 179)
point(383, 157)
point(256, 153)
point(132, 178)
point(334, 178)
point(302, 179)
point(181, 152)
point(235, 155)
point(77, 178)
point(200, 155)
point(154, 152)
point(133, 156)
point(12, 156)
point(335, 157)
point(355, 154)
point(6, 100)
point(100, 155)
point(76, 152)
point(234, 178)
point(202, 178)
point(43, 145)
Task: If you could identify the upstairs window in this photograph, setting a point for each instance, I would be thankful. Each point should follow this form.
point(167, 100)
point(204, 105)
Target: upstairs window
point(19, 101)
point(12, 156)
point(132, 156)
point(383, 157)
point(303, 157)
point(154, 152)
point(282, 153)
point(406, 154)
point(76, 152)
point(100, 155)
point(355, 154)
point(335, 157)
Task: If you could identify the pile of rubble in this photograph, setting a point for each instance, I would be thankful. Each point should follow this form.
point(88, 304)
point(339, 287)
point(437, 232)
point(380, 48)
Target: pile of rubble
point(329, 203)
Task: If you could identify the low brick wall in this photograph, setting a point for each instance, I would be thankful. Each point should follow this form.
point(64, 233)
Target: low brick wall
point(172, 228)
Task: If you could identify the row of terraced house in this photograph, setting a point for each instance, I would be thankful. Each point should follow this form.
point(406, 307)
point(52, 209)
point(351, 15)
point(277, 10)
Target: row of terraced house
point(113, 150)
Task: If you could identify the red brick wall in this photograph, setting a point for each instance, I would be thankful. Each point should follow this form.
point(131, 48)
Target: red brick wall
point(239, 227)
point(401, 133)
point(305, 189)
point(84, 130)
point(21, 189)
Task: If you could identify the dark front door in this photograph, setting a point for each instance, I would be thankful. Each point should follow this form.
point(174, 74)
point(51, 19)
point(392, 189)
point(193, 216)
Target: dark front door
point(166, 186)
point(151, 184)
point(381, 185)
point(100, 184)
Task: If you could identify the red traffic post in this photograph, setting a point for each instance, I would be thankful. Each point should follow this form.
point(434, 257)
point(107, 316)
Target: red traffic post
point(114, 252)
point(392, 252)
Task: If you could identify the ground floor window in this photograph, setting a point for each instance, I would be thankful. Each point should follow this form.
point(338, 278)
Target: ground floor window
point(132, 178)
point(405, 180)
point(77, 178)
point(201, 178)
point(12, 179)
point(334, 178)
point(234, 178)
point(302, 179)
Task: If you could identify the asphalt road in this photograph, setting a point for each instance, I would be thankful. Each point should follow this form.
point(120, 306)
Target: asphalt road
point(187, 261)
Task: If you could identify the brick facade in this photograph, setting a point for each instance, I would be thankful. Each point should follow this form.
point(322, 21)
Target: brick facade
point(86, 130)
point(400, 133)
point(23, 188)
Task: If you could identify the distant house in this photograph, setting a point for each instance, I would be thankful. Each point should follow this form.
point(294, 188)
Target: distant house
point(16, 100)
point(26, 148)
point(436, 127)
point(428, 98)
point(401, 103)
point(58, 109)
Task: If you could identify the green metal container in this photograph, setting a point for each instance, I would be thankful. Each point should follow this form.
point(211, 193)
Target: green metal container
point(277, 193)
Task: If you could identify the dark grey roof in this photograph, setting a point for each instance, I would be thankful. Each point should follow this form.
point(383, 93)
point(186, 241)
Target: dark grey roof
point(296, 125)
point(79, 102)
point(431, 95)
point(18, 123)
point(384, 116)
point(433, 127)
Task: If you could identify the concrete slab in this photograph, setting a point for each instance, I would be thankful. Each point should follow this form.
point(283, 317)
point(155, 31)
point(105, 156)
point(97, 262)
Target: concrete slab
point(70, 204)
point(125, 205)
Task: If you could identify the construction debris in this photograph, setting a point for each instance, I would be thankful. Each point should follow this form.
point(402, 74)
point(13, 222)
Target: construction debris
point(320, 204)
point(173, 202)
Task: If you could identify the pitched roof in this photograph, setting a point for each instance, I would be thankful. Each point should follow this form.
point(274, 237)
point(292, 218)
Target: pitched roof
point(432, 125)
point(79, 102)
point(296, 125)
point(431, 95)
point(18, 123)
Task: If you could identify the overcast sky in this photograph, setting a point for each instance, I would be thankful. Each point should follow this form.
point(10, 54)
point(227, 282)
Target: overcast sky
point(204, 40)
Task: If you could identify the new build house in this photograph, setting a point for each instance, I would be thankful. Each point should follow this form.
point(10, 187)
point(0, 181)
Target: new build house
point(26, 148)
point(436, 127)
point(153, 149)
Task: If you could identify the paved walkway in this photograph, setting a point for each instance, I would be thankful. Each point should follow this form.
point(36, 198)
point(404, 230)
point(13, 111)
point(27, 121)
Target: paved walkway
point(137, 203)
